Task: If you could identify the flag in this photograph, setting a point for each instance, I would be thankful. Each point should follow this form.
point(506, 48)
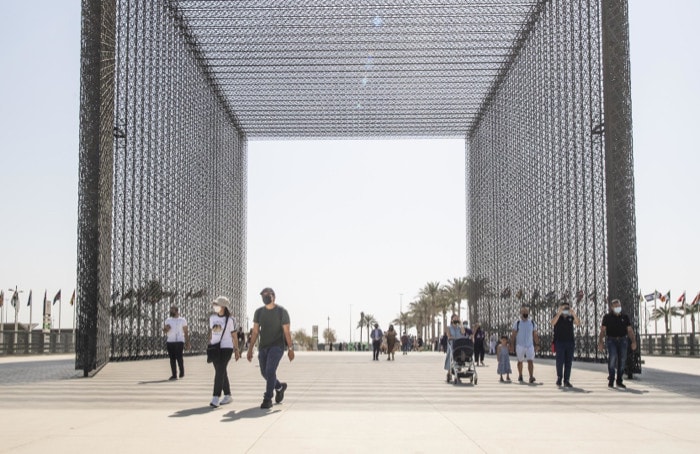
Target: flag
point(666, 297)
point(72, 298)
point(29, 301)
point(696, 300)
point(2, 298)
point(579, 296)
point(681, 299)
point(57, 297)
point(15, 300)
point(650, 296)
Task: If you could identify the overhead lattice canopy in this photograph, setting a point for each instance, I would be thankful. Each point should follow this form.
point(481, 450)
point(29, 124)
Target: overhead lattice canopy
point(340, 68)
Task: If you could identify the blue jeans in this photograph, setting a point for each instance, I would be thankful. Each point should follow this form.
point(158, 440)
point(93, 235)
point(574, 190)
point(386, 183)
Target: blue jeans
point(269, 358)
point(617, 356)
point(565, 356)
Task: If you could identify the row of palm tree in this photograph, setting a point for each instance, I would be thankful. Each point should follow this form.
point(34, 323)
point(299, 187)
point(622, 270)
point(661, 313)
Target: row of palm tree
point(435, 300)
point(667, 312)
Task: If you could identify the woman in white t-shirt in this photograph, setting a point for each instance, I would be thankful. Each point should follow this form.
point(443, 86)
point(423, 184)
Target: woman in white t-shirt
point(175, 327)
point(223, 329)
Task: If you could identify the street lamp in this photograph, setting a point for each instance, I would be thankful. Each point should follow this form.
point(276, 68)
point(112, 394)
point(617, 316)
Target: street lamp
point(328, 335)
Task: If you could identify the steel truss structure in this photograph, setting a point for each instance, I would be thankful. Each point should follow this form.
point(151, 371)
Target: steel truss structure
point(171, 91)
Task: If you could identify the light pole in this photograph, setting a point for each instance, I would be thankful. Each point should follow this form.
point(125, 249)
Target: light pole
point(328, 335)
point(400, 313)
point(350, 337)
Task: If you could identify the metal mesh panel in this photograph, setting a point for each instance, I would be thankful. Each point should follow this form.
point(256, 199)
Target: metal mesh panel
point(172, 89)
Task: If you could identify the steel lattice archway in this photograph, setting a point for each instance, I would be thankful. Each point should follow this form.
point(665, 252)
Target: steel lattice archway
point(172, 90)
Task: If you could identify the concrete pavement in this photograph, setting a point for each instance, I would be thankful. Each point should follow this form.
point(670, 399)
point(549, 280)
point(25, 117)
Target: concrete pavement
point(344, 402)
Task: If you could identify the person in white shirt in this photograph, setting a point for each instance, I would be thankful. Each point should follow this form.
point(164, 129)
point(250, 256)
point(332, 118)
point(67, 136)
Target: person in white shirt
point(178, 338)
point(223, 330)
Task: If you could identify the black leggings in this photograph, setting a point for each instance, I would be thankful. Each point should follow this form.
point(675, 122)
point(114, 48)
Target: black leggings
point(479, 351)
point(175, 350)
point(220, 375)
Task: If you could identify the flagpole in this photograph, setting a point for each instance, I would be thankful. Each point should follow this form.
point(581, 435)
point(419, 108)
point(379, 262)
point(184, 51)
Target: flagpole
point(59, 320)
point(656, 320)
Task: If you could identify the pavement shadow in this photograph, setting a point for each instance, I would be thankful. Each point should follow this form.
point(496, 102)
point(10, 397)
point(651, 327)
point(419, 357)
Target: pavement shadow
point(253, 412)
point(574, 390)
point(632, 391)
point(192, 412)
point(154, 381)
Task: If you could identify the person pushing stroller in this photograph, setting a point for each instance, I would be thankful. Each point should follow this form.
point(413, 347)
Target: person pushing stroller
point(454, 331)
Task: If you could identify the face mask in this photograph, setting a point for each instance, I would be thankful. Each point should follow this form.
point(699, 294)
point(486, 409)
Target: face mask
point(525, 315)
point(216, 309)
point(267, 299)
point(565, 312)
point(455, 322)
point(617, 310)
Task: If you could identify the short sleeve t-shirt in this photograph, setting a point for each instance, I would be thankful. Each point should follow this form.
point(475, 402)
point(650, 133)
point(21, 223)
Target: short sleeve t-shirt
point(616, 325)
point(176, 333)
point(564, 329)
point(271, 321)
point(218, 331)
point(524, 330)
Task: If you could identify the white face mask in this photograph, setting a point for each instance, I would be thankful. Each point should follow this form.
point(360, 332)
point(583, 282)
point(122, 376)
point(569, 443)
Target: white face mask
point(617, 309)
point(565, 312)
point(216, 309)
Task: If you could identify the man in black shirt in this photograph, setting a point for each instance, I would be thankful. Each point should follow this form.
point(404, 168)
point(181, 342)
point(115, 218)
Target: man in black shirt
point(563, 324)
point(617, 328)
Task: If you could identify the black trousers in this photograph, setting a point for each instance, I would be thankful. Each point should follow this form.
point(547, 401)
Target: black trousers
point(479, 351)
point(375, 348)
point(220, 374)
point(175, 350)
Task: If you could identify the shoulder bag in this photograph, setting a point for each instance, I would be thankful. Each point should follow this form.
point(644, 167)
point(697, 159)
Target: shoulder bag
point(214, 350)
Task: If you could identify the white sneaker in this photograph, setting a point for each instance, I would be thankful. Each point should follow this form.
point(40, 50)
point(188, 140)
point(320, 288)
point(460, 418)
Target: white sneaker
point(214, 402)
point(226, 400)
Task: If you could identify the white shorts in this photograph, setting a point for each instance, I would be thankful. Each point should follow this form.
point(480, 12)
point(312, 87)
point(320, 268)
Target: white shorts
point(524, 353)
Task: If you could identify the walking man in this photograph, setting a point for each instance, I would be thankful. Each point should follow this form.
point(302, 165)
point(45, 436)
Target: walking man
point(271, 323)
point(563, 324)
point(616, 327)
point(376, 336)
point(523, 341)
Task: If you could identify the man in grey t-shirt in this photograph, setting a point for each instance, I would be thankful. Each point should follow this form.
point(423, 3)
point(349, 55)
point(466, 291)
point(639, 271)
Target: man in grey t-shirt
point(271, 322)
point(523, 342)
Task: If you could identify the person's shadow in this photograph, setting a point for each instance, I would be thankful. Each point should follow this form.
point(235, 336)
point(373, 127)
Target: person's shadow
point(574, 389)
point(192, 412)
point(154, 381)
point(253, 412)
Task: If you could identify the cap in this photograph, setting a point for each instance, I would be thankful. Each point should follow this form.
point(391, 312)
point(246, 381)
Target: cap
point(268, 290)
point(222, 301)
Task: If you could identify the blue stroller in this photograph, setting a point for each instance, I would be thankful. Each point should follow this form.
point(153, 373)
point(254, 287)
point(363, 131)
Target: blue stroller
point(462, 361)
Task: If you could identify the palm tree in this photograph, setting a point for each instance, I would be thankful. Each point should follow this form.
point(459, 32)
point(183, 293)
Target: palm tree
point(457, 288)
point(690, 309)
point(666, 312)
point(477, 288)
point(419, 312)
point(366, 320)
point(329, 336)
point(404, 321)
point(445, 302)
point(431, 291)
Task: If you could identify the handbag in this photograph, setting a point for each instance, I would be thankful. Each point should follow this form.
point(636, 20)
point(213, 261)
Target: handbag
point(214, 350)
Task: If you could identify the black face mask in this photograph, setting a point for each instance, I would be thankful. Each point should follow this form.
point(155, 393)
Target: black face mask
point(455, 322)
point(525, 315)
point(267, 299)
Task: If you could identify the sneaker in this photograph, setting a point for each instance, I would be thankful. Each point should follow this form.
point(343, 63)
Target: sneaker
point(559, 383)
point(172, 378)
point(611, 383)
point(532, 379)
point(620, 385)
point(568, 385)
point(182, 374)
point(279, 393)
point(520, 379)
point(226, 400)
point(214, 402)
point(266, 403)
point(502, 380)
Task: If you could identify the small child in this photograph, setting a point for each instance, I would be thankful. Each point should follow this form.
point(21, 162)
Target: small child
point(503, 359)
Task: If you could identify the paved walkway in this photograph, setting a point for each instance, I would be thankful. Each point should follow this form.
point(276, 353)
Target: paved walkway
point(344, 402)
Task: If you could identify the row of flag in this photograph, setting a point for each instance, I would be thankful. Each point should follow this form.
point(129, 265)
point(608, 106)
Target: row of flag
point(666, 297)
point(14, 300)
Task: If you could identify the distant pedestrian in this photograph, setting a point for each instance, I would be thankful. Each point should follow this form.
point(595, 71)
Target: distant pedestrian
point(271, 322)
point(524, 341)
point(405, 344)
point(241, 338)
point(564, 342)
point(178, 339)
point(493, 340)
point(222, 330)
point(390, 343)
point(617, 330)
point(479, 346)
point(376, 336)
point(503, 356)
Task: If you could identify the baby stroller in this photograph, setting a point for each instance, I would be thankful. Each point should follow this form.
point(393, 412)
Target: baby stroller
point(462, 363)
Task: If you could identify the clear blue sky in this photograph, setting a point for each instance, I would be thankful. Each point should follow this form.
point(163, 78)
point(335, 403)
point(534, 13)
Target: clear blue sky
point(401, 226)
